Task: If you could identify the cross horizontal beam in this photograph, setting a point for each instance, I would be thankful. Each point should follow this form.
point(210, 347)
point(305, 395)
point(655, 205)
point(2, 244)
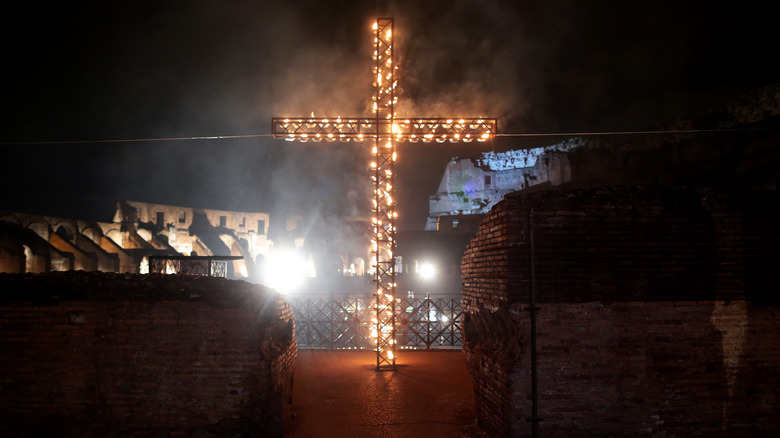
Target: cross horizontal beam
point(407, 130)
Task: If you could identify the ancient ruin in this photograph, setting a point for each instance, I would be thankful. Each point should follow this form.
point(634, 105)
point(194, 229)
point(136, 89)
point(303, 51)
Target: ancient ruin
point(102, 354)
point(625, 312)
point(638, 298)
point(138, 231)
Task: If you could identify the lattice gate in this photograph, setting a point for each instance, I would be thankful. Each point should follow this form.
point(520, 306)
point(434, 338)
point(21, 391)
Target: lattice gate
point(344, 321)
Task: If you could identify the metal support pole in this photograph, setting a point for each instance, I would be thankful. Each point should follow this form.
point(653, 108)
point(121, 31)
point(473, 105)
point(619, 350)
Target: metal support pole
point(532, 308)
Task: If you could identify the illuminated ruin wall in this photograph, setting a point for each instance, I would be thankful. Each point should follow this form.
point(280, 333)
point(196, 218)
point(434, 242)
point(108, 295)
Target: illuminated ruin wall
point(95, 354)
point(473, 185)
point(175, 223)
point(32, 243)
point(733, 142)
point(42, 243)
point(657, 313)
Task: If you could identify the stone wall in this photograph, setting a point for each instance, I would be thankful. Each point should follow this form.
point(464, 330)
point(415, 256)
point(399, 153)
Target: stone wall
point(95, 354)
point(656, 313)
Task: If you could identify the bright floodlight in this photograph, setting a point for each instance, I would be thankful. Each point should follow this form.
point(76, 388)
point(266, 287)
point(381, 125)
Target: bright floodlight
point(427, 271)
point(285, 271)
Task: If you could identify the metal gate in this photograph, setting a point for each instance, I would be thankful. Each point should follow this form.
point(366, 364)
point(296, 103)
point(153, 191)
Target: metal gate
point(345, 321)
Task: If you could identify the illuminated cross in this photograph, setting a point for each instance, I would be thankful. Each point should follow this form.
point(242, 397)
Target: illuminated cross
point(384, 130)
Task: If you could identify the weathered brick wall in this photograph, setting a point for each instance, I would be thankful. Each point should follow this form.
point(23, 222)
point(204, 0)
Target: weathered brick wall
point(95, 354)
point(656, 313)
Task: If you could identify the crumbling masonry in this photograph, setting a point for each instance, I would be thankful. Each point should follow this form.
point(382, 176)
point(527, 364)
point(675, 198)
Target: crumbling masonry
point(656, 313)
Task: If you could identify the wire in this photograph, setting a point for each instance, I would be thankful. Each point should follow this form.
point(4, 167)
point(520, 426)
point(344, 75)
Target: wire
point(585, 134)
point(136, 140)
point(526, 134)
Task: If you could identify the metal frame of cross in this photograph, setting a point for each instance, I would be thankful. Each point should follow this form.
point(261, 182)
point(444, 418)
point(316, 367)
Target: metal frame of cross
point(384, 130)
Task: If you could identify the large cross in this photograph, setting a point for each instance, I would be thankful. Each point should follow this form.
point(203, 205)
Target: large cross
point(384, 130)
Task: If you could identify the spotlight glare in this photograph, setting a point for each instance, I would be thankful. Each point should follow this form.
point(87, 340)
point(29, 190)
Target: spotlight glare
point(286, 271)
point(427, 271)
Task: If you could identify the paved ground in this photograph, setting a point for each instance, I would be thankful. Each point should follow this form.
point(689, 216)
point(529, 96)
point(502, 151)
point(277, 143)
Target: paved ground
point(338, 394)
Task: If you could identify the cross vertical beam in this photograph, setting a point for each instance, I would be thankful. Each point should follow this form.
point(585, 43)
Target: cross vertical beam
point(383, 165)
point(384, 130)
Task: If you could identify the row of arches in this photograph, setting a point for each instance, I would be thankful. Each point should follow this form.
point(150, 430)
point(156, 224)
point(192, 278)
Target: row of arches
point(34, 244)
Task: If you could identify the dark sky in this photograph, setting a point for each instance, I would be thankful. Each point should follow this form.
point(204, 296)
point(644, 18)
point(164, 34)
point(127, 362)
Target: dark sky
point(96, 70)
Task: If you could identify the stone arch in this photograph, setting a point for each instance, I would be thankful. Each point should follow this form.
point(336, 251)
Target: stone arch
point(11, 218)
point(358, 266)
point(346, 268)
point(93, 232)
point(65, 233)
point(40, 228)
point(65, 229)
point(243, 267)
point(29, 261)
point(116, 236)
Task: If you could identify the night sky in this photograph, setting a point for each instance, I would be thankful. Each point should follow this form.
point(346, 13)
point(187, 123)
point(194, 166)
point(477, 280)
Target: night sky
point(105, 70)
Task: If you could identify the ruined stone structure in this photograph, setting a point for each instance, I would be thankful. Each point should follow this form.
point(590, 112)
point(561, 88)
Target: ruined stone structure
point(653, 274)
point(191, 231)
point(174, 224)
point(92, 354)
point(739, 151)
point(656, 313)
point(473, 185)
point(31, 243)
point(333, 247)
point(681, 154)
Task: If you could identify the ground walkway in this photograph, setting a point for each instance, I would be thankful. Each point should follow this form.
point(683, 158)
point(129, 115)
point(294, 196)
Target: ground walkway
point(338, 394)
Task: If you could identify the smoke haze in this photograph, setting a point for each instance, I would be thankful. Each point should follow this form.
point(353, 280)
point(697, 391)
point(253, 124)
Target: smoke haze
point(91, 70)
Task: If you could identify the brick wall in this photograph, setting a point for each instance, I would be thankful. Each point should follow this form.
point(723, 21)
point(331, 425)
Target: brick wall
point(656, 313)
point(95, 354)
